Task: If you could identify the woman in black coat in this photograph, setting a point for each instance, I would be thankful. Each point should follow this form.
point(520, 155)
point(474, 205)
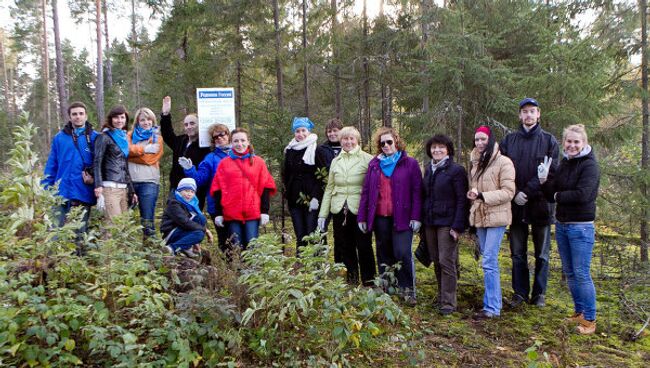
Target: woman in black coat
point(445, 215)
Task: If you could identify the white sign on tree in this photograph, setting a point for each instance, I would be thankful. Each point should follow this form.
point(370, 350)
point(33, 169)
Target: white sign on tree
point(214, 106)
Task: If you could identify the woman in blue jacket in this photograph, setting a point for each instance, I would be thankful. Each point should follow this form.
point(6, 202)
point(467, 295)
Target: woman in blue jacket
point(445, 211)
point(203, 175)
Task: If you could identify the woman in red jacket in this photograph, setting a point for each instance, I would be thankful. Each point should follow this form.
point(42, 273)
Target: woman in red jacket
point(242, 188)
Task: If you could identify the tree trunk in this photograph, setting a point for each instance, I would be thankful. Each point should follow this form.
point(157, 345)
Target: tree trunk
point(424, 5)
point(109, 64)
point(46, 73)
point(305, 67)
point(136, 61)
point(278, 62)
point(5, 80)
point(99, 88)
point(645, 154)
point(337, 75)
point(385, 104)
point(60, 66)
point(365, 132)
point(238, 92)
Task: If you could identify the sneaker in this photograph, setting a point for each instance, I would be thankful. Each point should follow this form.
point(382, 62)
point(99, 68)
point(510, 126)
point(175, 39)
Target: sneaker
point(188, 253)
point(483, 315)
point(586, 327)
point(410, 301)
point(538, 301)
point(169, 250)
point(574, 318)
point(445, 311)
point(516, 301)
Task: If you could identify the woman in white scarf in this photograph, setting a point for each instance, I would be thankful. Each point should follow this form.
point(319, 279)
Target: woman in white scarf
point(302, 187)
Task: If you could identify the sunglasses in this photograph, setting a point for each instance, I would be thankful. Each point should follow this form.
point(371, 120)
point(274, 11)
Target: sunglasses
point(387, 143)
point(219, 135)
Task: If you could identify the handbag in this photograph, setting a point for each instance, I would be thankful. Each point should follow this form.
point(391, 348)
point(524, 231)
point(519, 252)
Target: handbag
point(422, 251)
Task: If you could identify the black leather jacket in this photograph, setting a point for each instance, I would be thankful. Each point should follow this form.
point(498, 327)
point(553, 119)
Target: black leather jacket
point(110, 163)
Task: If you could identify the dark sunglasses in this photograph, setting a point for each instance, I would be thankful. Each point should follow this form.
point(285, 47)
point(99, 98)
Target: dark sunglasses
point(387, 143)
point(219, 135)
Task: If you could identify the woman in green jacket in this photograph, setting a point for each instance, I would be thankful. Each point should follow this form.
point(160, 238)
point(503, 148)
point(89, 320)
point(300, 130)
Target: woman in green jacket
point(341, 199)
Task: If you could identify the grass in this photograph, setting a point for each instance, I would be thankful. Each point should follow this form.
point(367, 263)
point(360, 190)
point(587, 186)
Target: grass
point(459, 341)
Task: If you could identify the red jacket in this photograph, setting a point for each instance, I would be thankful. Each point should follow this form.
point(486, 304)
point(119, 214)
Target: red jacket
point(242, 184)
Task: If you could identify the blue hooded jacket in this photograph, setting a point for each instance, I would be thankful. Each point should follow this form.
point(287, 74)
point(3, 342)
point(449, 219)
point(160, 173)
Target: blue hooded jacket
point(65, 164)
point(206, 172)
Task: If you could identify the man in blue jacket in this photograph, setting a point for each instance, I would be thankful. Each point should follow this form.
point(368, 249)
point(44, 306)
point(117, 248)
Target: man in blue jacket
point(70, 160)
point(527, 148)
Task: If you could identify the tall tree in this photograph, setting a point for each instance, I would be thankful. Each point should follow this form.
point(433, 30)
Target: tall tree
point(278, 61)
point(45, 64)
point(135, 50)
point(645, 152)
point(60, 66)
point(107, 53)
point(337, 73)
point(305, 66)
point(99, 87)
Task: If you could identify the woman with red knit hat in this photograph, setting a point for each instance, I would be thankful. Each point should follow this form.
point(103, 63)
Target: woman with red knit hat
point(492, 187)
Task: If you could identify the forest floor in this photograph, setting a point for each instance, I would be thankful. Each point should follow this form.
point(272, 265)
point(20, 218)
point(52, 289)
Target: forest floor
point(524, 336)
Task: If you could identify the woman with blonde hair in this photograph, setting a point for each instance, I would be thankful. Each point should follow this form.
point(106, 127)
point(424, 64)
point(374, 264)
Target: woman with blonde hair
point(574, 189)
point(341, 200)
point(391, 203)
point(145, 152)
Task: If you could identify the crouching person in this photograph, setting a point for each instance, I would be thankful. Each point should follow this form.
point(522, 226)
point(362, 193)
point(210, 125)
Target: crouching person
point(183, 224)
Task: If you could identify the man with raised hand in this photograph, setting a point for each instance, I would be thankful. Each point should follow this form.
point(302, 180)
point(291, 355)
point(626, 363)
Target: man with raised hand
point(531, 213)
point(184, 146)
point(70, 164)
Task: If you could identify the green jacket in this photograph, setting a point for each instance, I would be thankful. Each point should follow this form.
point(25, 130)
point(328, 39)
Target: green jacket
point(345, 181)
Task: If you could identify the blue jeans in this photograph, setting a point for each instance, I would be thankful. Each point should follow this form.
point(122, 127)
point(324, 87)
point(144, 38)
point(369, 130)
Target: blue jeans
point(61, 213)
point(541, 235)
point(575, 242)
point(241, 233)
point(304, 223)
point(147, 196)
point(489, 239)
point(392, 247)
point(182, 239)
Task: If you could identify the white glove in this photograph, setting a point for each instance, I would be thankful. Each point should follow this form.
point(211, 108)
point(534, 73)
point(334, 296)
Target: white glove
point(363, 227)
point(264, 219)
point(151, 148)
point(321, 224)
point(101, 203)
point(521, 198)
point(543, 169)
point(313, 204)
point(218, 221)
point(185, 163)
point(415, 225)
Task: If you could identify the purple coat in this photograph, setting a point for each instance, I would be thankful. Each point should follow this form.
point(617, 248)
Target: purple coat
point(406, 191)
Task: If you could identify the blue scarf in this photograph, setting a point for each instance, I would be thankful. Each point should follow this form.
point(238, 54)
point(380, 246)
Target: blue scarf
point(119, 136)
point(388, 163)
point(79, 131)
point(192, 206)
point(140, 134)
point(236, 156)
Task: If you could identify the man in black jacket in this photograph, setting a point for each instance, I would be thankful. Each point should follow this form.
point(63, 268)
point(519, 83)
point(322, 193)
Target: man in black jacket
point(185, 145)
point(527, 148)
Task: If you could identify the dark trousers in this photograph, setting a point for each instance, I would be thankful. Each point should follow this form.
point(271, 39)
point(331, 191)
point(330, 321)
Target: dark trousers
point(61, 214)
point(392, 247)
point(304, 223)
point(443, 250)
point(222, 234)
point(519, 253)
point(355, 248)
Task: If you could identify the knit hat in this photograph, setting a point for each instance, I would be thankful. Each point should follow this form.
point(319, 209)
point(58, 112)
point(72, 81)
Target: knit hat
point(186, 183)
point(301, 122)
point(483, 129)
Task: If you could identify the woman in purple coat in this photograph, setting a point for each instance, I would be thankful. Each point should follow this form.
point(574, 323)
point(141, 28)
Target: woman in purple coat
point(391, 206)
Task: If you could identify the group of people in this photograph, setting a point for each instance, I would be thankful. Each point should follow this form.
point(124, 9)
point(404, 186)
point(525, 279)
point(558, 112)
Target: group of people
point(514, 183)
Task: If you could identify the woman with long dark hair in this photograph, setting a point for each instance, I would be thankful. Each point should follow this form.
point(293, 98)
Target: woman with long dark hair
point(112, 178)
point(492, 182)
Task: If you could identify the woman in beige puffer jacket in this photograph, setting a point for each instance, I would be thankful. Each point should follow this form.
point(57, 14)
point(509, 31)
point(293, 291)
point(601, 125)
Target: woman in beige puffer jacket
point(492, 183)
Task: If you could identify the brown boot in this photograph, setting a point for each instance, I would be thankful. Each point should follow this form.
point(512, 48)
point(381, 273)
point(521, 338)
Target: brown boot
point(586, 327)
point(574, 318)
